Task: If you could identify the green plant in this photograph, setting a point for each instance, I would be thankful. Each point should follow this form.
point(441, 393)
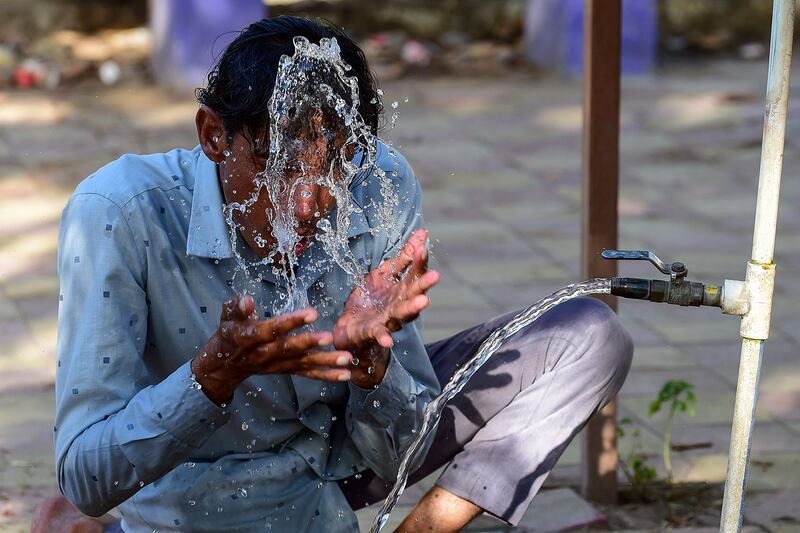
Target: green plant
point(680, 397)
point(640, 474)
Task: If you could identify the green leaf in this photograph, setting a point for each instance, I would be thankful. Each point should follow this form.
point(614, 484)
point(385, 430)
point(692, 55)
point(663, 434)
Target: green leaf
point(655, 406)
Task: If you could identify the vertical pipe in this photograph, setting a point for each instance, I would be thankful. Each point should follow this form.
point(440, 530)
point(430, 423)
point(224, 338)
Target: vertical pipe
point(760, 271)
point(769, 178)
point(601, 68)
point(741, 435)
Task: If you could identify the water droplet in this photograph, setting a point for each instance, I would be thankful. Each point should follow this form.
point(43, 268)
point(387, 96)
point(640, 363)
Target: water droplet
point(376, 404)
point(395, 104)
point(241, 492)
point(244, 426)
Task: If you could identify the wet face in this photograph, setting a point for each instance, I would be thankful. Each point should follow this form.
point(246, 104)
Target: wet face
point(301, 181)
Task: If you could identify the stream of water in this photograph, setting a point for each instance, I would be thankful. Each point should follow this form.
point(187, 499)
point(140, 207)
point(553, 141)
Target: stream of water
point(433, 410)
point(317, 137)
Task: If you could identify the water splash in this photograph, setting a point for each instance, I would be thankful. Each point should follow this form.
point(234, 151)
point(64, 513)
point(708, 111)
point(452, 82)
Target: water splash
point(433, 410)
point(316, 135)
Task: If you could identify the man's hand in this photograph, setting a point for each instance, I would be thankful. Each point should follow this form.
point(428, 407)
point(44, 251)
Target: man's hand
point(244, 346)
point(396, 294)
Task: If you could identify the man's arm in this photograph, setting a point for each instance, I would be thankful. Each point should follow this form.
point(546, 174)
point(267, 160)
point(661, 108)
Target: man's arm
point(383, 421)
point(114, 430)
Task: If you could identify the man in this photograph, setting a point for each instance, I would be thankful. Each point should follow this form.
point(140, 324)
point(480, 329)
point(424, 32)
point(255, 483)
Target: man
point(186, 422)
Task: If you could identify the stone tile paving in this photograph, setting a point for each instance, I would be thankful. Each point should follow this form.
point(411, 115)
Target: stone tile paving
point(499, 160)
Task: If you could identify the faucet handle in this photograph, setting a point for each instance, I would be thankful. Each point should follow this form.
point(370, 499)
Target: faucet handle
point(674, 270)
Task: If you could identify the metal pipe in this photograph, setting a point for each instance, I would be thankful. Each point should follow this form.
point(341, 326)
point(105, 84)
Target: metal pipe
point(760, 277)
point(743, 416)
point(769, 182)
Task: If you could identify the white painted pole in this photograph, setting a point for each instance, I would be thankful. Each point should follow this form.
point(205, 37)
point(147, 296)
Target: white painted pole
point(760, 276)
point(769, 179)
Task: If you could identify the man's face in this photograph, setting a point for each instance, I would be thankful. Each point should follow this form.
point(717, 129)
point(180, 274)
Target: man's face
point(297, 190)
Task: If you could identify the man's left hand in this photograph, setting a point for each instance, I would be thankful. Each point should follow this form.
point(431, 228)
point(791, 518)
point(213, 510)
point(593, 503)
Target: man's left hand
point(395, 294)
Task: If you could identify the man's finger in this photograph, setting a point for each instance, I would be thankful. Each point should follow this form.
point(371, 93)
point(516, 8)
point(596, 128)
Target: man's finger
point(335, 359)
point(298, 345)
point(268, 330)
point(382, 335)
point(424, 282)
point(410, 309)
point(309, 361)
point(335, 375)
point(420, 263)
point(399, 263)
point(239, 307)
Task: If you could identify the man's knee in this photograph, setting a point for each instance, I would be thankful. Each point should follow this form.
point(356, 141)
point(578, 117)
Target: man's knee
point(600, 333)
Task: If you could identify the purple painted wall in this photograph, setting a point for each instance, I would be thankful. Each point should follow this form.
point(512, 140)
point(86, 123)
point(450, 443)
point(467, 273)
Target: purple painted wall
point(189, 34)
point(554, 35)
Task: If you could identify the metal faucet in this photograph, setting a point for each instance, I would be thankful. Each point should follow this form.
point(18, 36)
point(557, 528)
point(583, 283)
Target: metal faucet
point(677, 291)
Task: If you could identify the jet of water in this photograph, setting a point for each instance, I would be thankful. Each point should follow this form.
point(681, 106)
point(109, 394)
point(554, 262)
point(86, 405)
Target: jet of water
point(316, 134)
point(433, 410)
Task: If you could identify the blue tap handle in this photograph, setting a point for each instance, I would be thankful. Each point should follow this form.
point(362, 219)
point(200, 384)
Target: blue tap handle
point(638, 255)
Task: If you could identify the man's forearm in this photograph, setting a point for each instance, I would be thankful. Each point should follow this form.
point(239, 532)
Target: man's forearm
point(159, 428)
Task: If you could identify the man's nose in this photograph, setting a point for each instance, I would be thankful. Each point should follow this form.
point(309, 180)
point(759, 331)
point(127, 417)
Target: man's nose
point(305, 203)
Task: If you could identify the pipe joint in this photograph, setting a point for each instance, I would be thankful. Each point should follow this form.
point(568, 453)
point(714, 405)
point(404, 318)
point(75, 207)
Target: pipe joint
point(735, 299)
point(759, 284)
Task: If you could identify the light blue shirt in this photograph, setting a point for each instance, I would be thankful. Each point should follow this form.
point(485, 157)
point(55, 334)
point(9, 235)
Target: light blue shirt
point(145, 261)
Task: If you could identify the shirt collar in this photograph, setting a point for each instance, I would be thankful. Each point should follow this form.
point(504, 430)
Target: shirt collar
point(209, 235)
point(208, 232)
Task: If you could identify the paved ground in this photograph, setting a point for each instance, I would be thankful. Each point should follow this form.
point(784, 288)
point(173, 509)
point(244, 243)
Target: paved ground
point(499, 160)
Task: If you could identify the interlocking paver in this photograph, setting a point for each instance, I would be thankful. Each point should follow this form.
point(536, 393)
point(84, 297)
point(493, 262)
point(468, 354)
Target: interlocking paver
point(499, 160)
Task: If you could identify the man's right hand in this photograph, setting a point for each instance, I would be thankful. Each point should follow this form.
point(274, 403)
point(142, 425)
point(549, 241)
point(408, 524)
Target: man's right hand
point(244, 346)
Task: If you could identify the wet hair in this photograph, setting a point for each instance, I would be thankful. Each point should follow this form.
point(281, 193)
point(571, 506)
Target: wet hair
point(242, 81)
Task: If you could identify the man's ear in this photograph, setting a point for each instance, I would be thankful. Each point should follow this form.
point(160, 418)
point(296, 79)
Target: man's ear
point(211, 133)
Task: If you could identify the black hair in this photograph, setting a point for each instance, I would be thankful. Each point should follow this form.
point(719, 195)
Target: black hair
point(243, 79)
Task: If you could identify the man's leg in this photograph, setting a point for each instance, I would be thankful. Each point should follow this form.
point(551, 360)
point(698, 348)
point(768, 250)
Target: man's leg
point(505, 431)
